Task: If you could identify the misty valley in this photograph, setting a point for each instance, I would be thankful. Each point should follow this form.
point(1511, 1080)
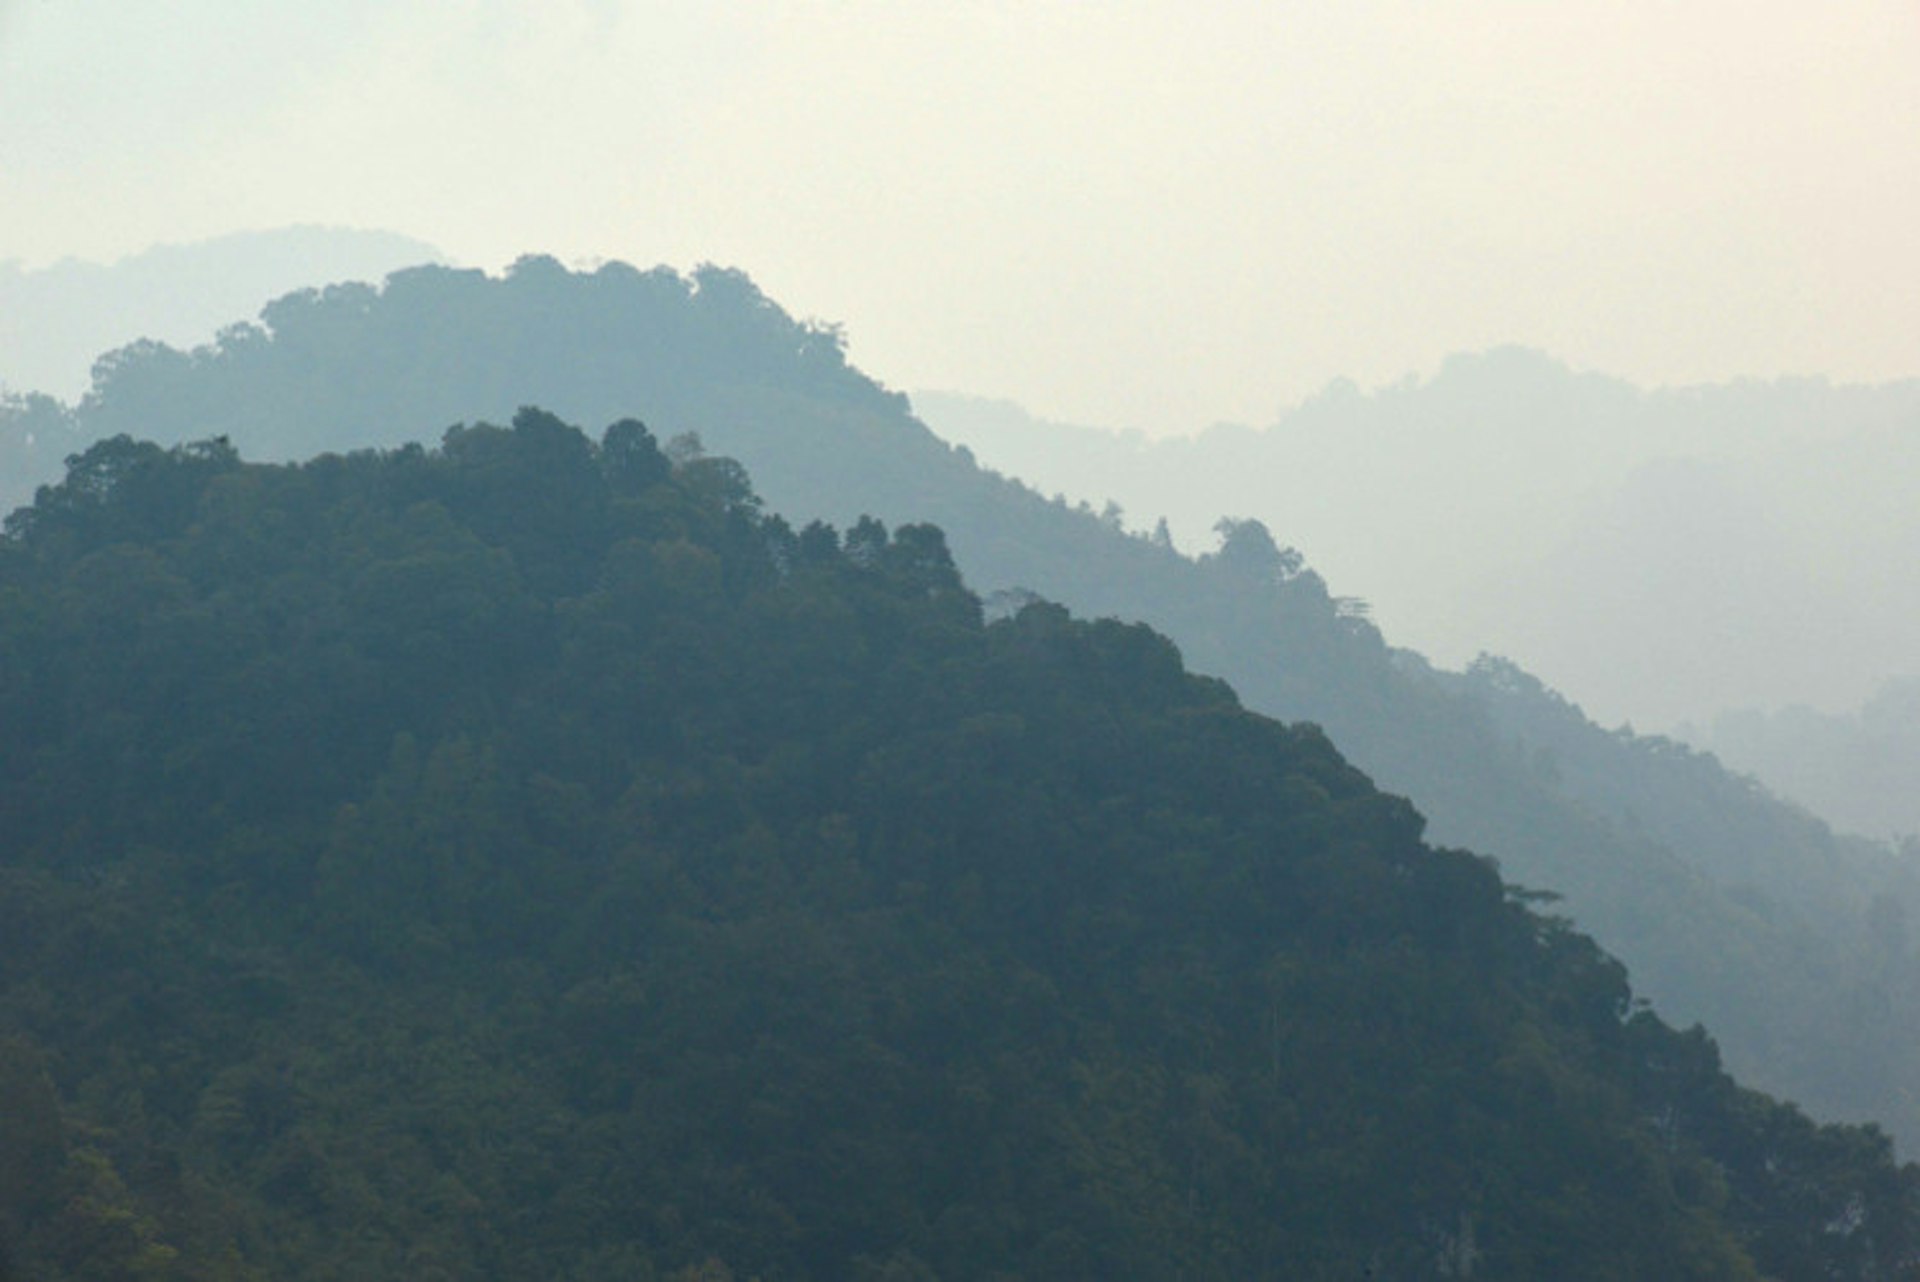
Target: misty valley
point(562, 775)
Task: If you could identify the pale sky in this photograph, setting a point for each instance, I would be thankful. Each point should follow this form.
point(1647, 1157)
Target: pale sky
point(1137, 214)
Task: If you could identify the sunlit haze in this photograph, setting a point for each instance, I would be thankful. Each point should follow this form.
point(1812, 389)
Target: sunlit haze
point(1122, 214)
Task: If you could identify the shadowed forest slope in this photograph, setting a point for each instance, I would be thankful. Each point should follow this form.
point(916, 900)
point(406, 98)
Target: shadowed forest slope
point(1728, 906)
point(526, 858)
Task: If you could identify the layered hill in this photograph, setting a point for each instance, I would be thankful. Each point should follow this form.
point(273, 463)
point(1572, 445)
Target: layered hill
point(56, 320)
point(1664, 554)
point(1727, 906)
point(1857, 766)
point(526, 858)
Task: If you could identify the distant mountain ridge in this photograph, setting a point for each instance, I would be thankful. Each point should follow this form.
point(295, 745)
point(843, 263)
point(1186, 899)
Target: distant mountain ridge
point(1661, 554)
point(1857, 767)
point(55, 320)
point(1765, 935)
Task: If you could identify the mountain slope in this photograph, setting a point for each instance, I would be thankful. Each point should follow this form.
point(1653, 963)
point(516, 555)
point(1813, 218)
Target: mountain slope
point(527, 859)
point(1800, 992)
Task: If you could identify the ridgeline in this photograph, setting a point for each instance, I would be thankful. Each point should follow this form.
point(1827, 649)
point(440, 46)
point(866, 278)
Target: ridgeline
point(527, 858)
point(1791, 943)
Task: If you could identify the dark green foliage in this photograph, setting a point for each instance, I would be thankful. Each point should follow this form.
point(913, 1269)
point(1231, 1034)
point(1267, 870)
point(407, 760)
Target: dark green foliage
point(526, 858)
point(1699, 882)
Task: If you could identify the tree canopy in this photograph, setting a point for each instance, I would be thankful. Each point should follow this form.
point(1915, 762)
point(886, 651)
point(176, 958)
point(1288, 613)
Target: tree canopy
point(1730, 907)
point(529, 857)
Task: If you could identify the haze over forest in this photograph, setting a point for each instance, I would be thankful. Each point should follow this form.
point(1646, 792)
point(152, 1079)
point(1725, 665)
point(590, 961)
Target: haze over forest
point(56, 321)
point(1661, 555)
point(1112, 215)
point(1735, 564)
point(1364, 714)
point(1666, 197)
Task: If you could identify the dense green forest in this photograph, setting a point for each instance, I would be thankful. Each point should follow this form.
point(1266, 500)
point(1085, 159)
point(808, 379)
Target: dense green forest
point(529, 858)
point(1729, 907)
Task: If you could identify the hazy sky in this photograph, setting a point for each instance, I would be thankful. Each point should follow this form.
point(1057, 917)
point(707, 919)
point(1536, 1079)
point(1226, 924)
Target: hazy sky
point(1141, 214)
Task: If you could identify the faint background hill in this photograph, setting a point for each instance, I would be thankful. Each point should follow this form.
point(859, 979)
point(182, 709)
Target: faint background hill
point(1858, 767)
point(1661, 555)
point(56, 320)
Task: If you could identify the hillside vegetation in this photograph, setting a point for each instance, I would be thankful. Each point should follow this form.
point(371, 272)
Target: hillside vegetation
point(527, 858)
point(1727, 906)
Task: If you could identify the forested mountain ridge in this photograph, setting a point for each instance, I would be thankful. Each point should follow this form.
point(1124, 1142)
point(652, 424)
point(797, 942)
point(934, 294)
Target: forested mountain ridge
point(527, 858)
point(1811, 995)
